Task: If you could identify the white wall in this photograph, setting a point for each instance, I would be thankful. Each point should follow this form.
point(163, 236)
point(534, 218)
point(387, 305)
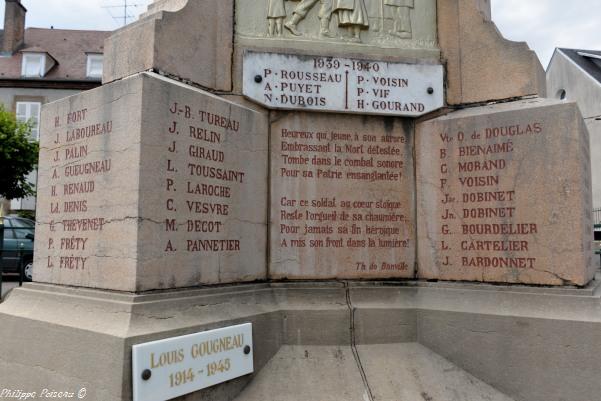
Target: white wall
point(563, 74)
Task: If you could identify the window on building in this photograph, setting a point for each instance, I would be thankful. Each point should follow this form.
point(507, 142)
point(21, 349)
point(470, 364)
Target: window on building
point(34, 65)
point(94, 69)
point(30, 111)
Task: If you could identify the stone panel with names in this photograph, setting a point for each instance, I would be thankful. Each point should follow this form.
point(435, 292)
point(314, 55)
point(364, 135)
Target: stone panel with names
point(205, 189)
point(342, 198)
point(147, 184)
point(87, 189)
point(504, 195)
point(336, 84)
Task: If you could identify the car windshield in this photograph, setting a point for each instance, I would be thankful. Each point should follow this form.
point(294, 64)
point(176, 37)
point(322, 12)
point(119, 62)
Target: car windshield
point(22, 227)
point(22, 223)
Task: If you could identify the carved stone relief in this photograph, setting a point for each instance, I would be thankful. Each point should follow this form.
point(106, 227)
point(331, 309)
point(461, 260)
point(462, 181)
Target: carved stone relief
point(409, 24)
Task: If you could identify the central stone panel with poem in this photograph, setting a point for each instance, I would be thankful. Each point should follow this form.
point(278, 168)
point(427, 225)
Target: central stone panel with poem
point(342, 197)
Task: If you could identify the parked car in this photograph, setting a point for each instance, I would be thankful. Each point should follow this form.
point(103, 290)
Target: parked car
point(17, 247)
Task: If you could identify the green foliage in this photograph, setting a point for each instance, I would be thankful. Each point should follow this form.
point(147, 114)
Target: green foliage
point(18, 156)
point(26, 214)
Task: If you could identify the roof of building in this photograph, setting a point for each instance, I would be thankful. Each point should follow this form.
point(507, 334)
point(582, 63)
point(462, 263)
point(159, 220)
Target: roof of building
point(68, 47)
point(587, 60)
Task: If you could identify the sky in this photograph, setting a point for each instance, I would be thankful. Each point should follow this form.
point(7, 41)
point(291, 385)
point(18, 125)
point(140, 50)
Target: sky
point(543, 24)
point(547, 24)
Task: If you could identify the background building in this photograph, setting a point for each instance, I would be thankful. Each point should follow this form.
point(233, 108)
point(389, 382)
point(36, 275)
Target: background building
point(39, 65)
point(576, 75)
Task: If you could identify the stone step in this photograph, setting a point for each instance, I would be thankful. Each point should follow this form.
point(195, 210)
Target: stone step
point(399, 372)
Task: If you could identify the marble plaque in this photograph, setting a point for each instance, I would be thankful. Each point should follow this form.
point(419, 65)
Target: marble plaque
point(504, 195)
point(335, 84)
point(172, 367)
point(342, 198)
point(147, 183)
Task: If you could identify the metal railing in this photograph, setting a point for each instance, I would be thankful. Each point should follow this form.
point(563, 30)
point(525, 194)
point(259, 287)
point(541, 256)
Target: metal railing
point(20, 254)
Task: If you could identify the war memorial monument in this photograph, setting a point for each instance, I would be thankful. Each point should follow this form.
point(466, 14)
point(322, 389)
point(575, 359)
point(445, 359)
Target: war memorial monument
point(329, 200)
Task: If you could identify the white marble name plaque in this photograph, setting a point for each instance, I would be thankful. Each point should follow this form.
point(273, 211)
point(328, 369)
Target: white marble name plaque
point(334, 84)
point(169, 368)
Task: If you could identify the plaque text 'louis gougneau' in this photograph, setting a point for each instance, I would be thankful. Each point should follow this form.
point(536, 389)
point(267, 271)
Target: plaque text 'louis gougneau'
point(335, 84)
point(172, 367)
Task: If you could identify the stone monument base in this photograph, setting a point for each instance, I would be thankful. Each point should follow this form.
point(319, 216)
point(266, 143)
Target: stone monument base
point(330, 373)
point(522, 343)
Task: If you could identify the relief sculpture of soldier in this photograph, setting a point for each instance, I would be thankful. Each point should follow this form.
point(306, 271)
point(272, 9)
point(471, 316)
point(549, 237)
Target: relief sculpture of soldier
point(352, 14)
point(402, 19)
point(276, 12)
point(301, 11)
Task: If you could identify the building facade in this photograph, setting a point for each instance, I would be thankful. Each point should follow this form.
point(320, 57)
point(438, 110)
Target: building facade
point(39, 65)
